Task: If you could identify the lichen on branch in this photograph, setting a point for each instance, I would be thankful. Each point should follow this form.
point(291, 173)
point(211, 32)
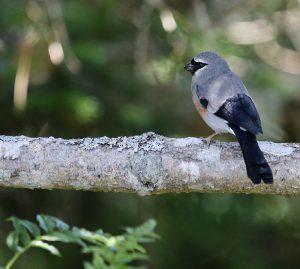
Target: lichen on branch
point(145, 164)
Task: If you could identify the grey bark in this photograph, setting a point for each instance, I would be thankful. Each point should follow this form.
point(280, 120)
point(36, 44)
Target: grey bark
point(145, 164)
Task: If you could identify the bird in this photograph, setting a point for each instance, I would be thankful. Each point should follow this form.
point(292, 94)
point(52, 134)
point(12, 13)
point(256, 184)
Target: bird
point(225, 105)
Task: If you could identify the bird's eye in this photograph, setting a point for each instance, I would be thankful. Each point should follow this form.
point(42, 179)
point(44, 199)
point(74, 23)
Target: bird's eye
point(201, 65)
point(197, 64)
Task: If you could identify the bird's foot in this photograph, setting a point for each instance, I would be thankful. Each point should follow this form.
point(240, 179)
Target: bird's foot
point(208, 139)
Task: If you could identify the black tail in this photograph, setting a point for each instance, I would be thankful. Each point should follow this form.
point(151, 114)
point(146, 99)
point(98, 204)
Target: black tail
point(257, 167)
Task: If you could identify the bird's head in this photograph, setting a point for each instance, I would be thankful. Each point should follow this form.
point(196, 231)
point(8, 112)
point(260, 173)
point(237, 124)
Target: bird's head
point(206, 60)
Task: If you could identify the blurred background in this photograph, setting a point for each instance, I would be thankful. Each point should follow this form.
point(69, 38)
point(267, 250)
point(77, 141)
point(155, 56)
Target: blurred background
point(74, 69)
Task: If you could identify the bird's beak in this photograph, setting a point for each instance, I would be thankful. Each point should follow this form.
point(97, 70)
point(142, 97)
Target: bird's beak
point(189, 67)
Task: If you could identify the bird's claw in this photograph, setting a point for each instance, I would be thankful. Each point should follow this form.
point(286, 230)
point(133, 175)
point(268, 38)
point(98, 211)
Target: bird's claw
point(208, 139)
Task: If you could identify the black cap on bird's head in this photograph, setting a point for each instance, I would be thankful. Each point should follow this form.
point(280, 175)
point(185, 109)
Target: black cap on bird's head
point(205, 59)
point(193, 66)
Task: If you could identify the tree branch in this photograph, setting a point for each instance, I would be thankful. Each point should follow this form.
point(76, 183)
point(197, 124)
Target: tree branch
point(145, 164)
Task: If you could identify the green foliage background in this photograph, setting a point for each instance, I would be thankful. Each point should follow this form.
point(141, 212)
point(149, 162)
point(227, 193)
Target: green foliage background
point(122, 74)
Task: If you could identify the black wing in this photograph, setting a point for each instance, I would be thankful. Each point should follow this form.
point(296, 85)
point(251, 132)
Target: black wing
point(241, 112)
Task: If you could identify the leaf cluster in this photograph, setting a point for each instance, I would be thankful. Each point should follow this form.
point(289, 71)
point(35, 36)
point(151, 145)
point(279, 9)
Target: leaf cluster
point(105, 250)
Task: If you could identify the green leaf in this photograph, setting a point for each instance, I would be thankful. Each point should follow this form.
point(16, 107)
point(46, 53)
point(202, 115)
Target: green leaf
point(60, 225)
point(12, 240)
point(106, 253)
point(31, 227)
point(145, 229)
point(144, 233)
point(21, 232)
point(20, 224)
point(125, 257)
point(15, 222)
point(47, 223)
point(133, 245)
point(24, 236)
point(64, 236)
point(88, 265)
point(98, 262)
point(40, 244)
point(92, 237)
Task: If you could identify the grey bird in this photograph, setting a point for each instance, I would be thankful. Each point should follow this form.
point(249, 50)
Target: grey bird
point(224, 103)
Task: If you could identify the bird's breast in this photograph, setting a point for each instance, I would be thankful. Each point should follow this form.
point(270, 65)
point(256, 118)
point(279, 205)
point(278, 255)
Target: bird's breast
point(201, 110)
point(217, 124)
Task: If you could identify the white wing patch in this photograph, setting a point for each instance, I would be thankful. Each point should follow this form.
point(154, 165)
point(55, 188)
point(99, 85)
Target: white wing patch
point(216, 123)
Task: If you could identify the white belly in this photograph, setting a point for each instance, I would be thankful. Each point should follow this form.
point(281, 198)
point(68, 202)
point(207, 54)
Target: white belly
point(217, 124)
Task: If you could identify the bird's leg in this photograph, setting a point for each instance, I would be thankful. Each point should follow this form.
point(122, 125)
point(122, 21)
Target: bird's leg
point(208, 139)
